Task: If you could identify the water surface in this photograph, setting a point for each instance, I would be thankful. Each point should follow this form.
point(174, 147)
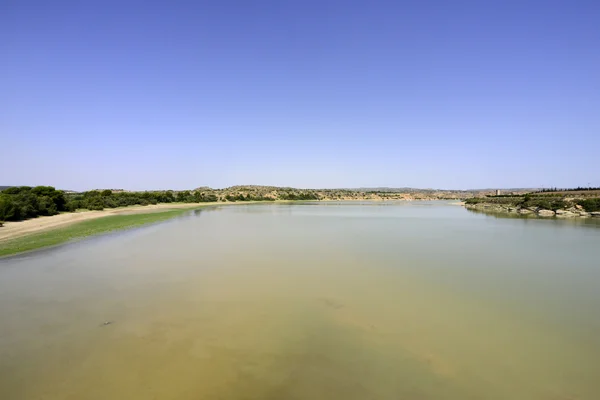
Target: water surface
point(317, 301)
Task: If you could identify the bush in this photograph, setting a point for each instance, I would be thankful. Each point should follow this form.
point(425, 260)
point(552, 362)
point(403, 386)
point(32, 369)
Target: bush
point(590, 205)
point(73, 205)
point(95, 203)
point(544, 203)
point(474, 200)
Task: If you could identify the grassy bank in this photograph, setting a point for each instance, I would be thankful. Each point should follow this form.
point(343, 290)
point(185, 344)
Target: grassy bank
point(83, 229)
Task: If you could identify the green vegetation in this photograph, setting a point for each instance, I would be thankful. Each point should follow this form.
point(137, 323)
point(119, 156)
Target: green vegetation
point(24, 202)
point(247, 197)
point(545, 203)
point(506, 195)
point(299, 196)
point(494, 200)
point(83, 229)
point(590, 205)
point(266, 193)
point(280, 196)
point(577, 189)
point(99, 200)
point(18, 203)
point(541, 200)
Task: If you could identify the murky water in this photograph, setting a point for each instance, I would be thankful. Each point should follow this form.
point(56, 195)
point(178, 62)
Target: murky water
point(322, 301)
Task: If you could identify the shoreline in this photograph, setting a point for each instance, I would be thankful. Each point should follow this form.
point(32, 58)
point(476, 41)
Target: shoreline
point(571, 212)
point(15, 229)
point(51, 231)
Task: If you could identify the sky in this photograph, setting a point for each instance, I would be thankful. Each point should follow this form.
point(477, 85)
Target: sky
point(147, 95)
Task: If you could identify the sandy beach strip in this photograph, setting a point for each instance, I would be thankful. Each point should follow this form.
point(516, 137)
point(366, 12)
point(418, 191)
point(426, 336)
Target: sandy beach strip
point(12, 230)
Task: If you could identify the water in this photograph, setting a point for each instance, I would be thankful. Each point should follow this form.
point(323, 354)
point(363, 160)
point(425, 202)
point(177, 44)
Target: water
point(320, 301)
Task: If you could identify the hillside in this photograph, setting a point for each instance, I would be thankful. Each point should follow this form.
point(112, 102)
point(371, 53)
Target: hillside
point(288, 193)
point(547, 203)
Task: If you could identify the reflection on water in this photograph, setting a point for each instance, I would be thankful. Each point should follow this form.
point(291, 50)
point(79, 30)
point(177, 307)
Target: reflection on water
point(309, 302)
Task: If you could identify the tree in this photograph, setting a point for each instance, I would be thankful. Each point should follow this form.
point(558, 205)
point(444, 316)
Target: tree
point(184, 197)
point(16, 190)
point(46, 206)
point(8, 209)
point(95, 203)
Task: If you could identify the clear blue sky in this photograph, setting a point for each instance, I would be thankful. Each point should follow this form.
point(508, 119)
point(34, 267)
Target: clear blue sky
point(180, 94)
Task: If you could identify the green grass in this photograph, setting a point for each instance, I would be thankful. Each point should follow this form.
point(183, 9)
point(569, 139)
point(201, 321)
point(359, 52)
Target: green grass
point(83, 229)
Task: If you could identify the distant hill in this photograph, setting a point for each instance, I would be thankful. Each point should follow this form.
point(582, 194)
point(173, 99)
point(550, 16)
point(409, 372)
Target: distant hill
point(259, 192)
point(426, 190)
point(503, 189)
point(392, 190)
point(379, 193)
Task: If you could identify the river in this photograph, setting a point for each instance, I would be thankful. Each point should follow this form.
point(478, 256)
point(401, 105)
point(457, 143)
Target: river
point(420, 300)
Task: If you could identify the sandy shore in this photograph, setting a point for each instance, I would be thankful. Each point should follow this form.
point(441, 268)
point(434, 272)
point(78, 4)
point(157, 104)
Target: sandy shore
point(15, 229)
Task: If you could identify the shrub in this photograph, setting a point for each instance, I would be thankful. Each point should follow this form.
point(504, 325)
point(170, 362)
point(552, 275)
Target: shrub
point(545, 203)
point(73, 205)
point(474, 200)
point(590, 205)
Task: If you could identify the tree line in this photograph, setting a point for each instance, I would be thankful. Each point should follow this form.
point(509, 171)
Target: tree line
point(18, 203)
point(99, 200)
point(24, 202)
point(288, 195)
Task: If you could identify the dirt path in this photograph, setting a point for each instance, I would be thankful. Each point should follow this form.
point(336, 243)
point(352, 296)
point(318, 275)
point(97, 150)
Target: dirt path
point(15, 229)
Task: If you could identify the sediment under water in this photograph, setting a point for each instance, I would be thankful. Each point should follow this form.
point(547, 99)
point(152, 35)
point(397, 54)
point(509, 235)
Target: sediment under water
point(317, 301)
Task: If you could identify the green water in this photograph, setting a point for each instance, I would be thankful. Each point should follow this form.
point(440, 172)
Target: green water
point(318, 301)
